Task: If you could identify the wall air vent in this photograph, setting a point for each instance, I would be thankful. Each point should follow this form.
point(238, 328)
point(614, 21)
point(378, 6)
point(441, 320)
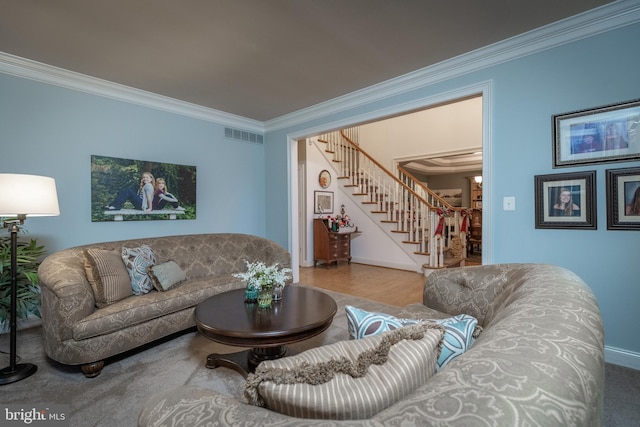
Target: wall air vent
point(243, 135)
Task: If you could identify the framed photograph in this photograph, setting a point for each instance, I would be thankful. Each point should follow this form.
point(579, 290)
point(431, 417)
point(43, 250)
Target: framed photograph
point(566, 200)
point(141, 190)
point(453, 196)
point(597, 135)
point(324, 179)
point(623, 199)
point(323, 202)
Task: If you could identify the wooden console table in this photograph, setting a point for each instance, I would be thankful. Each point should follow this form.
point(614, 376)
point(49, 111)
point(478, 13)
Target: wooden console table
point(330, 246)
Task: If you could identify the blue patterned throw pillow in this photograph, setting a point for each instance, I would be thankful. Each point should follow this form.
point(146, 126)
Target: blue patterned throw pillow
point(363, 323)
point(460, 330)
point(137, 260)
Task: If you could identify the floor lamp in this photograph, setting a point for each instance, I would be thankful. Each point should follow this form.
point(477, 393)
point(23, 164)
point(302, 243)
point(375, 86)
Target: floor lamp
point(22, 196)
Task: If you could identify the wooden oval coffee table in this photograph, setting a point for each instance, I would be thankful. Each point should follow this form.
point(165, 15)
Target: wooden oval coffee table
point(225, 318)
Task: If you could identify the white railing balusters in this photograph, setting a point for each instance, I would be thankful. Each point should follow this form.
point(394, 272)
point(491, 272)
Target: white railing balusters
point(405, 201)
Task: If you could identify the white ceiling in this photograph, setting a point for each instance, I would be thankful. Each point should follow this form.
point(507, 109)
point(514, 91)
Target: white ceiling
point(262, 59)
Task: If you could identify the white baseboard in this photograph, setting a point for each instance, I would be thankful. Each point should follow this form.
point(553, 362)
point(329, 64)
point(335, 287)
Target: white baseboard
point(387, 264)
point(618, 356)
point(374, 262)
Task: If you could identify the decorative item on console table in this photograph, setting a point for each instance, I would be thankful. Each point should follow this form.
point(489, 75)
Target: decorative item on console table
point(250, 294)
point(265, 298)
point(266, 281)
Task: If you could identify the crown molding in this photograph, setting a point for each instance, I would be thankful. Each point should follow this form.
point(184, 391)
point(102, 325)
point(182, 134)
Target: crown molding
point(605, 18)
point(600, 20)
point(44, 73)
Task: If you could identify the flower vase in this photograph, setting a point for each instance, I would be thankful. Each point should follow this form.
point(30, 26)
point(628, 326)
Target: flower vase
point(277, 292)
point(250, 294)
point(265, 298)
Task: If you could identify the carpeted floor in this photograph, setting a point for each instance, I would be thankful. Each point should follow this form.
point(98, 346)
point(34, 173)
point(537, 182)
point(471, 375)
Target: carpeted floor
point(621, 397)
point(115, 397)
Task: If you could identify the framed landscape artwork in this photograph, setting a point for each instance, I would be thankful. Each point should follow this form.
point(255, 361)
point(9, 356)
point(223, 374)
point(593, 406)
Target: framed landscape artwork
point(598, 135)
point(139, 190)
point(566, 200)
point(623, 199)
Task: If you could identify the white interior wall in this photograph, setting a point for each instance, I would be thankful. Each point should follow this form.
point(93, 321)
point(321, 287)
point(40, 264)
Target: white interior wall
point(366, 246)
point(451, 127)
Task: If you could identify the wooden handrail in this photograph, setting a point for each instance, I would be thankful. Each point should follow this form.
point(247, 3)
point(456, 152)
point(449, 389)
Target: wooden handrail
point(385, 170)
point(428, 220)
point(425, 188)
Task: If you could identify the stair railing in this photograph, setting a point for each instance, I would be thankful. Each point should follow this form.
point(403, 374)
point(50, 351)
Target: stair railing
point(428, 221)
point(458, 220)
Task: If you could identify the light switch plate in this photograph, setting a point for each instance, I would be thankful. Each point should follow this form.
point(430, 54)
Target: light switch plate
point(509, 203)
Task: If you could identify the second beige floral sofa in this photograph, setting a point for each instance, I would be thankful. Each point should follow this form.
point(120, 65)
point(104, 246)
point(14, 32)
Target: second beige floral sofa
point(80, 328)
point(539, 361)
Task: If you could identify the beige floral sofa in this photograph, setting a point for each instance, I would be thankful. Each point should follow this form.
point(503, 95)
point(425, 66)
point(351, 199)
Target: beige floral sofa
point(539, 361)
point(78, 332)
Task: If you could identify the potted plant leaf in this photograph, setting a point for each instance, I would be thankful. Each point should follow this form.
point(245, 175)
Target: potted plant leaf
point(28, 301)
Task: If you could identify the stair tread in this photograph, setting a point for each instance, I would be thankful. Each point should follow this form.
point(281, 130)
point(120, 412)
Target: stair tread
point(406, 208)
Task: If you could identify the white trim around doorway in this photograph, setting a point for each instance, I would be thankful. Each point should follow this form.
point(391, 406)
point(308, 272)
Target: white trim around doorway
point(485, 89)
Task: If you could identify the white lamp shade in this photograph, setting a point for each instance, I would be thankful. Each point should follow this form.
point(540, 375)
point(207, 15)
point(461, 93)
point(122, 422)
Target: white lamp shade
point(29, 195)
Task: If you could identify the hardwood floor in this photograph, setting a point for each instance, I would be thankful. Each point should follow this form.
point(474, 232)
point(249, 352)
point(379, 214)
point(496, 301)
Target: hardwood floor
point(387, 285)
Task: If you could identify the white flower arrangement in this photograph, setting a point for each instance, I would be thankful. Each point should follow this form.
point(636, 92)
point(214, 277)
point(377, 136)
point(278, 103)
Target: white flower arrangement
point(258, 276)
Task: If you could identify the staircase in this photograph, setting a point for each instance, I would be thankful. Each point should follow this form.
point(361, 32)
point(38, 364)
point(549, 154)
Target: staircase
point(431, 230)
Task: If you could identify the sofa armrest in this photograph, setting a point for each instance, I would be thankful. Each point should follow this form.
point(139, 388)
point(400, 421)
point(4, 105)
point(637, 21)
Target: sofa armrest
point(276, 254)
point(472, 290)
point(66, 294)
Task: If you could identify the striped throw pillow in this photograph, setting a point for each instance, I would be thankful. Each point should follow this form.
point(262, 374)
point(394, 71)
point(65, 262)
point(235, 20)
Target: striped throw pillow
point(107, 276)
point(348, 380)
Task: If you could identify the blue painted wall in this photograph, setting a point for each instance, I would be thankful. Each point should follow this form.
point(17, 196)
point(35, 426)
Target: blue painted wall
point(526, 93)
point(52, 131)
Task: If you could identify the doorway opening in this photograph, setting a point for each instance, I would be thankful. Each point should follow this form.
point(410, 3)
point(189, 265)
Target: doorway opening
point(299, 198)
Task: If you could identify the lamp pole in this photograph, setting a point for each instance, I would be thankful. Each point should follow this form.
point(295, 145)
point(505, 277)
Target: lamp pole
point(31, 195)
point(15, 372)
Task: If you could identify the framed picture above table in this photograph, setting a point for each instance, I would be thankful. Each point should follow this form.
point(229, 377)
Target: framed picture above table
point(323, 202)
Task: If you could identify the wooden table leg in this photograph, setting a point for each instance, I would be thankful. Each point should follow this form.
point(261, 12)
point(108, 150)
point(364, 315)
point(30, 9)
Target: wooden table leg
point(246, 361)
point(239, 362)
